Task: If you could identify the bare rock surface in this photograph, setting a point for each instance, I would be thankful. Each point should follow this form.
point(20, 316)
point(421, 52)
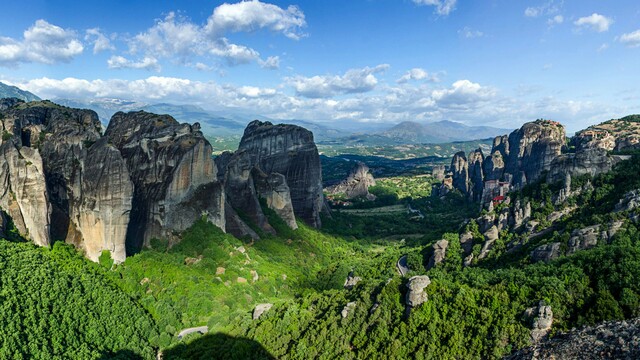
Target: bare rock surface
point(609, 340)
point(416, 294)
point(356, 184)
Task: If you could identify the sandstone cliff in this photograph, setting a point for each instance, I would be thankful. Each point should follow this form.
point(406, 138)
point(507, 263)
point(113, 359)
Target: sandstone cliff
point(168, 163)
point(288, 150)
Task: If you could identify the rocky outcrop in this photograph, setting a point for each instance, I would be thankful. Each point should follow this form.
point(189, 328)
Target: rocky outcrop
point(439, 253)
point(416, 294)
point(589, 236)
point(356, 184)
point(609, 340)
point(351, 281)
point(274, 190)
point(630, 201)
point(168, 162)
point(288, 150)
point(546, 252)
point(541, 318)
point(490, 237)
point(588, 161)
point(348, 309)
point(438, 172)
point(260, 309)
point(460, 172)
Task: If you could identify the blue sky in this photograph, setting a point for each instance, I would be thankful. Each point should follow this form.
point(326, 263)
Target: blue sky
point(495, 62)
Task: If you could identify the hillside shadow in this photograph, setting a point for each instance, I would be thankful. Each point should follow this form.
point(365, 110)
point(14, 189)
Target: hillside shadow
point(219, 346)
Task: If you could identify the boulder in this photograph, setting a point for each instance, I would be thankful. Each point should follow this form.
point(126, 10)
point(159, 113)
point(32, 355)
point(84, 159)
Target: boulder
point(348, 309)
point(416, 294)
point(351, 281)
point(261, 309)
point(546, 252)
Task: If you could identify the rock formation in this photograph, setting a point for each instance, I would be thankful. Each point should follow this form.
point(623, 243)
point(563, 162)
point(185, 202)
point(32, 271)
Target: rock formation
point(288, 150)
point(476, 175)
point(416, 294)
point(546, 252)
point(260, 309)
point(348, 309)
point(147, 177)
point(439, 252)
point(460, 172)
point(274, 190)
point(523, 157)
point(541, 318)
point(351, 281)
point(356, 184)
point(169, 164)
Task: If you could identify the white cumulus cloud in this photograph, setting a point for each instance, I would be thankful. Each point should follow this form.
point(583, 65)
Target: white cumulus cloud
point(253, 15)
point(417, 74)
point(147, 63)
point(99, 40)
point(595, 22)
point(443, 7)
point(631, 39)
point(42, 43)
point(177, 38)
point(353, 81)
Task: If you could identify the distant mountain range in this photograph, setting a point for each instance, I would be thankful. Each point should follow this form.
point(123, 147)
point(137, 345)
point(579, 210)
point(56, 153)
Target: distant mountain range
point(440, 132)
point(8, 91)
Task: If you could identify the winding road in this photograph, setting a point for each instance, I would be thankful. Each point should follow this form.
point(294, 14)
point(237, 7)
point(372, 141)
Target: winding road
point(199, 329)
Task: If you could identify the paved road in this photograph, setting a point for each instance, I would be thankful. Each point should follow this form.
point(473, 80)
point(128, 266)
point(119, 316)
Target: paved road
point(402, 265)
point(199, 329)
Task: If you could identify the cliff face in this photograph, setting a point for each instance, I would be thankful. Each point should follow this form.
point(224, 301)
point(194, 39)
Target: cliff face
point(147, 177)
point(83, 192)
point(460, 172)
point(532, 148)
point(168, 162)
point(288, 150)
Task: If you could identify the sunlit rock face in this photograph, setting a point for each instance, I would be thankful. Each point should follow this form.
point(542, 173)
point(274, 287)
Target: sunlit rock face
point(169, 164)
point(288, 150)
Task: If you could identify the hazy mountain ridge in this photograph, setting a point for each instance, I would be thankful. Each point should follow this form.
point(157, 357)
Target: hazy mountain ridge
point(8, 91)
point(440, 131)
